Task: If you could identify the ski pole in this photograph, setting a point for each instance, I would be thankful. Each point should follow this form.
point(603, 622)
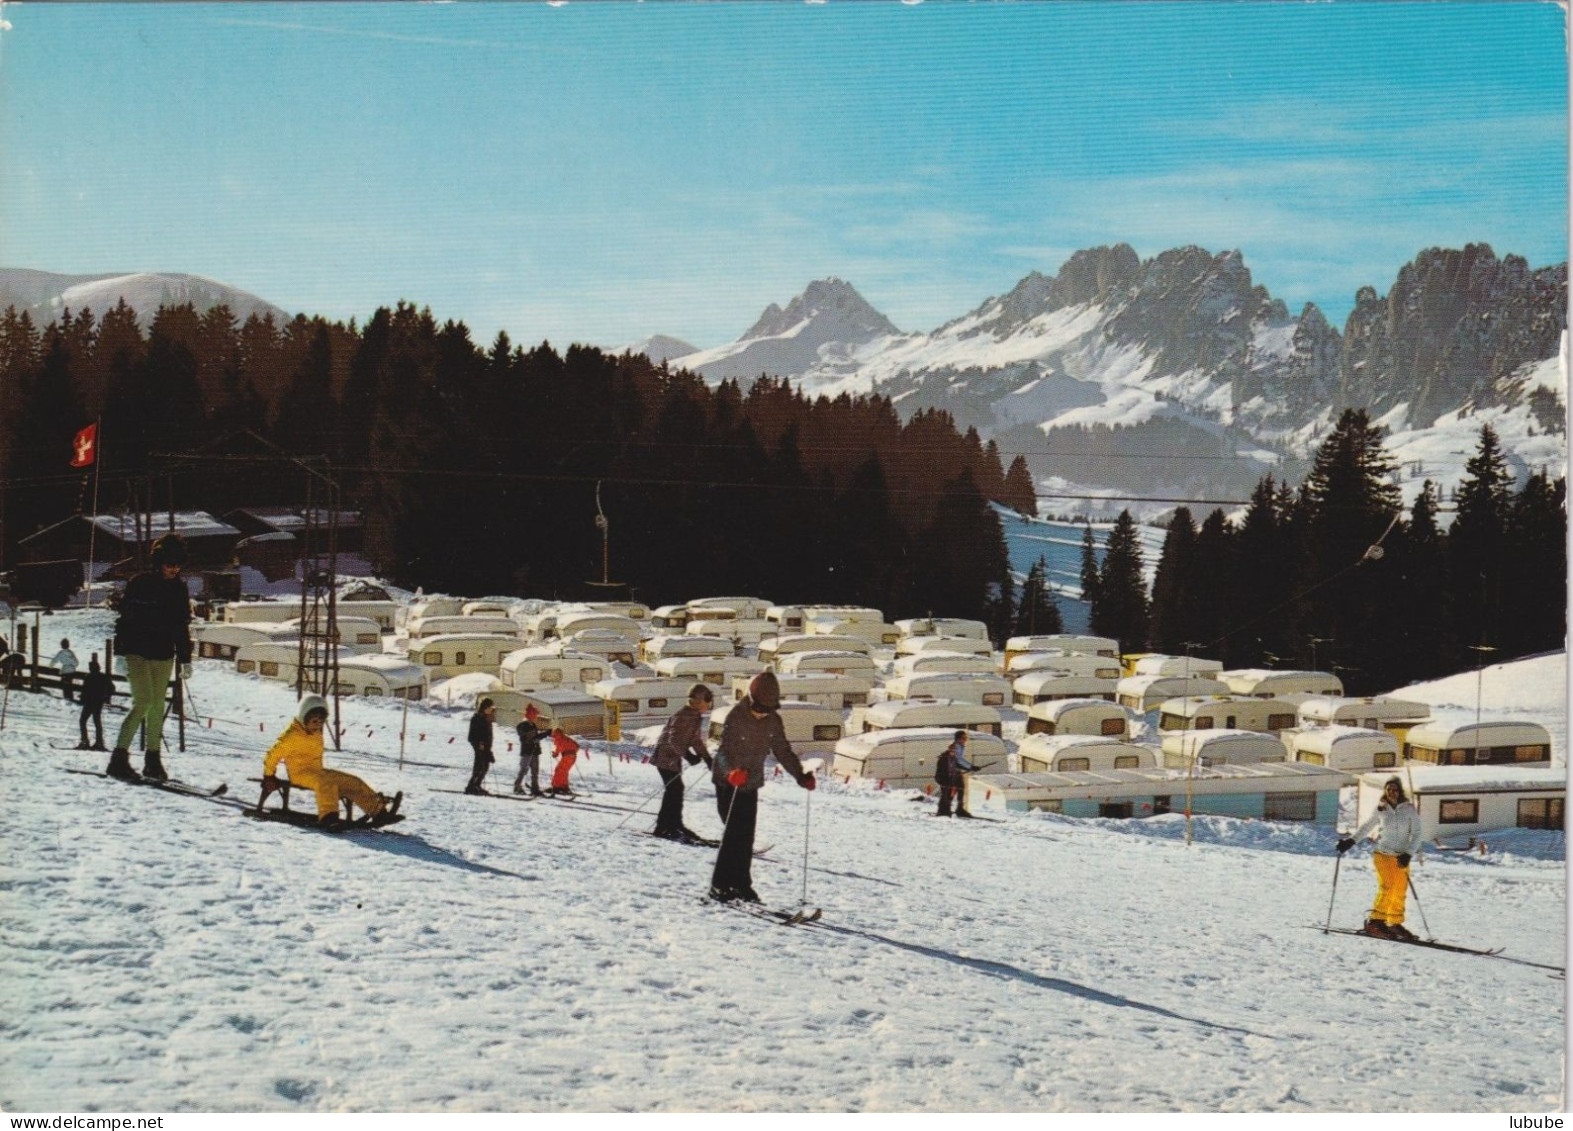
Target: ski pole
point(648, 798)
point(808, 809)
point(1418, 908)
point(1337, 863)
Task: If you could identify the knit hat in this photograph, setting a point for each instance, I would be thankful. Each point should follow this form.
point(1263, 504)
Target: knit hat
point(531, 712)
point(309, 705)
point(764, 691)
point(169, 550)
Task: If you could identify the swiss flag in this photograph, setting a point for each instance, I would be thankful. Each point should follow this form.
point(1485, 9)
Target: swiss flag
point(84, 449)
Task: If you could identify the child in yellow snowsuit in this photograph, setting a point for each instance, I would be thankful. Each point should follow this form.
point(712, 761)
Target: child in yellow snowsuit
point(300, 749)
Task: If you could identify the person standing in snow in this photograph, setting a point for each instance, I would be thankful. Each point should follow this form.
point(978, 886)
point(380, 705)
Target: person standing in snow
point(753, 731)
point(530, 734)
point(681, 739)
point(300, 748)
point(97, 688)
point(481, 744)
point(950, 775)
point(1398, 836)
point(566, 751)
point(65, 661)
point(152, 635)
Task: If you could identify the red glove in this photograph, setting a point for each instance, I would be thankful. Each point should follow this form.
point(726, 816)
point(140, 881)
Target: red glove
point(807, 782)
point(737, 779)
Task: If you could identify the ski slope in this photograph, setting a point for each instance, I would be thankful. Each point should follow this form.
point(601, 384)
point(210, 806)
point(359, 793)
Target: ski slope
point(161, 953)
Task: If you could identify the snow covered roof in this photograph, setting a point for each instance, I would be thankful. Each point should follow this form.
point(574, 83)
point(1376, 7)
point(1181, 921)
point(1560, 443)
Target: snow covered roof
point(1474, 779)
point(188, 524)
point(1488, 732)
point(1249, 777)
point(291, 518)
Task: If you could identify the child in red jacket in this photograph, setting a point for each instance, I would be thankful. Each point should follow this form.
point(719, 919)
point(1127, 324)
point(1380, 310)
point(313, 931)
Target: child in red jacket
point(566, 751)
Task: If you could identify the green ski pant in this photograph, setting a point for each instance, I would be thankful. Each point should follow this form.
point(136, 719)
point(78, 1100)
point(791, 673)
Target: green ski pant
point(149, 681)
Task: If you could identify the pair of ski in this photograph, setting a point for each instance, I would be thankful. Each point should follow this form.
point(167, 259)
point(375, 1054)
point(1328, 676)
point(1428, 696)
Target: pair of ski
point(704, 842)
point(782, 918)
point(169, 785)
point(1433, 944)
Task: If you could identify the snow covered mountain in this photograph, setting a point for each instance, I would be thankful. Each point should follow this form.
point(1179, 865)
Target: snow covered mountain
point(45, 295)
point(659, 348)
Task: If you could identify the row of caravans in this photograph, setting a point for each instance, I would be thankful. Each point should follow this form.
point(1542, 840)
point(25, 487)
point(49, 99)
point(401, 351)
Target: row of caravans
point(360, 673)
point(218, 640)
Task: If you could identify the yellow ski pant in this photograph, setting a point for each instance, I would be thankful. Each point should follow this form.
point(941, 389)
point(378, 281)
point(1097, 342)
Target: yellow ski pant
point(1392, 887)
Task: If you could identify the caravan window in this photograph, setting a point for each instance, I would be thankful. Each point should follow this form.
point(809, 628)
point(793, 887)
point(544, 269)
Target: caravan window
point(1290, 807)
point(853, 699)
point(1531, 754)
point(551, 675)
point(828, 732)
point(1066, 765)
point(1459, 812)
point(1119, 809)
point(657, 702)
point(1039, 726)
point(269, 668)
point(372, 691)
point(988, 728)
point(586, 675)
point(1540, 813)
point(1280, 722)
point(994, 699)
point(458, 657)
point(1383, 761)
point(244, 666)
point(627, 705)
point(1127, 762)
point(344, 689)
point(1112, 726)
point(1046, 806)
point(368, 638)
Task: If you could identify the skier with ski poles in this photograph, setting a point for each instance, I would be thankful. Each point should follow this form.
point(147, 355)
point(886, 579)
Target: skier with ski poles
point(566, 751)
point(152, 635)
point(1398, 838)
point(681, 739)
point(480, 738)
point(753, 732)
point(530, 734)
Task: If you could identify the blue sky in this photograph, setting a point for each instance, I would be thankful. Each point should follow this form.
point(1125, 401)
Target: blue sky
point(598, 172)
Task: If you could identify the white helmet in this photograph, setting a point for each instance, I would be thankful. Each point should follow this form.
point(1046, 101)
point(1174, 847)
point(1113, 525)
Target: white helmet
point(308, 704)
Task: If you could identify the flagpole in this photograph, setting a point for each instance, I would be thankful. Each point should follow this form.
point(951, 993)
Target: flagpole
point(92, 530)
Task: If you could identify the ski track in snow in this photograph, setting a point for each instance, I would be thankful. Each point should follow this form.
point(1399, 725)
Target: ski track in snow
point(159, 952)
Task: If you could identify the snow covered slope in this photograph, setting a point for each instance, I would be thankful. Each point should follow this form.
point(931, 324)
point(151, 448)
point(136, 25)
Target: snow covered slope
point(47, 296)
point(160, 953)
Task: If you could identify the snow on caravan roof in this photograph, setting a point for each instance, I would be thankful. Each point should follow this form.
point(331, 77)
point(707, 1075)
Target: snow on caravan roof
point(188, 524)
point(1478, 779)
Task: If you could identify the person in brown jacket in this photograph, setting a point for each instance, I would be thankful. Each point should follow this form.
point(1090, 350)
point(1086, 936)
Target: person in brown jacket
point(681, 738)
point(753, 732)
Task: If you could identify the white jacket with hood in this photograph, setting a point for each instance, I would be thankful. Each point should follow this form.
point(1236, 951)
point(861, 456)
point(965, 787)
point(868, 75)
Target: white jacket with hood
point(1398, 828)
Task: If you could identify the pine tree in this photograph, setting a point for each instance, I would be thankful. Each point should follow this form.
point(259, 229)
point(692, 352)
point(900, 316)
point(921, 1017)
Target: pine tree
point(1535, 593)
point(1089, 568)
point(1038, 613)
point(1021, 494)
point(1478, 542)
point(1121, 608)
point(1214, 603)
point(1171, 587)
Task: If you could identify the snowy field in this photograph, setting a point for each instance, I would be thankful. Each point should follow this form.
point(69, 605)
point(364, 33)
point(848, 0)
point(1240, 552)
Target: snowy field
point(160, 953)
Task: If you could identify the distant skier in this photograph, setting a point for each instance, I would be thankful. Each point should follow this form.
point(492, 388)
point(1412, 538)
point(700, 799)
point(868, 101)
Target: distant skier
point(681, 739)
point(1398, 839)
point(481, 744)
point(97, 690)
point(950, 775)
point(566, 751)
point(300, 748)
point(65, 661)
point(152, 635)
point(530, 735)
point(753, 731)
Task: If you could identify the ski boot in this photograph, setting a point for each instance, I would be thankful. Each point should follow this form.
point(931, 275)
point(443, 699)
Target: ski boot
point(748, 895)
point(120, 765)
point(1377, 929)
point(724, 895)
point(1401, 933)
point(153, 767)
point(332, 822)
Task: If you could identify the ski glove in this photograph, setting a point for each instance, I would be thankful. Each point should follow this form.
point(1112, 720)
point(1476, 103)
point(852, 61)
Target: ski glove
point(1403, 859)
point(185, 671)
point(737, 779)
point(1345, 845)
point(807, 782)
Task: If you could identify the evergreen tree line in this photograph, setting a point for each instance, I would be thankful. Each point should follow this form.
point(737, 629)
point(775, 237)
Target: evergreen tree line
point(1337, 576)
point(477, 469)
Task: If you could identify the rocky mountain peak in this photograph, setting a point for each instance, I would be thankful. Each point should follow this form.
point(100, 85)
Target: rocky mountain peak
point(833, 299)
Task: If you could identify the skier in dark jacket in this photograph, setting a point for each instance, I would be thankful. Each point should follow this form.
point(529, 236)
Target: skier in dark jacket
point(681, 739)
point(97, 689)
point(530, 734)
point(152, 635)
point(753, 732)
point(950, 774)
point(481, 744)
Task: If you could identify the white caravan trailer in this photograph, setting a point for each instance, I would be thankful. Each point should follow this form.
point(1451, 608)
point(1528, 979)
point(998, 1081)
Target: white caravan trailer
point(841, 612)
point(1230, 712)
point(669, 619)
point(658, 648)
point(526, 669)
point(740, 632)
point(260, 612)
point(385, 613)
point(1376, 713)
point(358, 634)
point(787, 619)
point(642, 700)
point(923, 645)
point(1185, 748)
point(828, 663)
point(425, 627)
point(631, 610)
point(1079, 716)
point(458, 653)
point(743, 608)
point(1071, 663)
point(964, 687)
point(606, 643)
point(1264, 683)
point(840, 691)
point(1142, 693)
point(1459, 801)
point(1064, 753)
point(1491, 743)
point(1176, 665)
point(218, 640)
point(425, 607)
point(379, 674)
point(570, 625)
point(943, 626)
point(905, 759)
point(275, 659)
point(716, 671)
point(1065, 641)
point(876, 632)
point(1353, 750)
point(898, 714)
point(576, 712)
point(487, 607)
point(1046, 686)
point(776, 646)
point(812, 728)
point(943, 662)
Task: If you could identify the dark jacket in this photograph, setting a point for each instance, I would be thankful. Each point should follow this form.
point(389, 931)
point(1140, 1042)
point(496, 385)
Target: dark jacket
point(481, 734)
point(952, 764)
point(97, 689)
point(155, 619)
point(681, 738)
point(530, 737)
point(747, 741)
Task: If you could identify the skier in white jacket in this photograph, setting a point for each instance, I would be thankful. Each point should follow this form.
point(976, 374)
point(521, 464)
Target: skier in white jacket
point(1397, 840)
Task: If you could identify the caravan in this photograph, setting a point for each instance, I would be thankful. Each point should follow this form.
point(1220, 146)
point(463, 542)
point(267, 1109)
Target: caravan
point(840, 691)
point(1494, 743)
point(276, 659)
point(925, 645)
point(742, 633)
point(1079, 716)
point(1069, 663)
point(658, 648)
point(1047, 686)
point(876, 632)
point(1067, 753)
point(1142, 693)
point(669, 620)
point(943, 662)
point(220, 640)
point(1062, 641)
point(1264, 683)
point(904, 714)
point(458, 653)
point(1351, 750)
point(642, 700)
point(1378, 713)
point(717, 671)
point(827, 663)
point(358, 634)
point(943, 626)
point(527, 669)
point(964, 687)
point(1157, 664)
point(905, 759)
point(380, 674)
point(770, 650)
point(576, 712)
point(1231, 712)
point(743, 608)
point(426, 627)
point(1185, 748)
